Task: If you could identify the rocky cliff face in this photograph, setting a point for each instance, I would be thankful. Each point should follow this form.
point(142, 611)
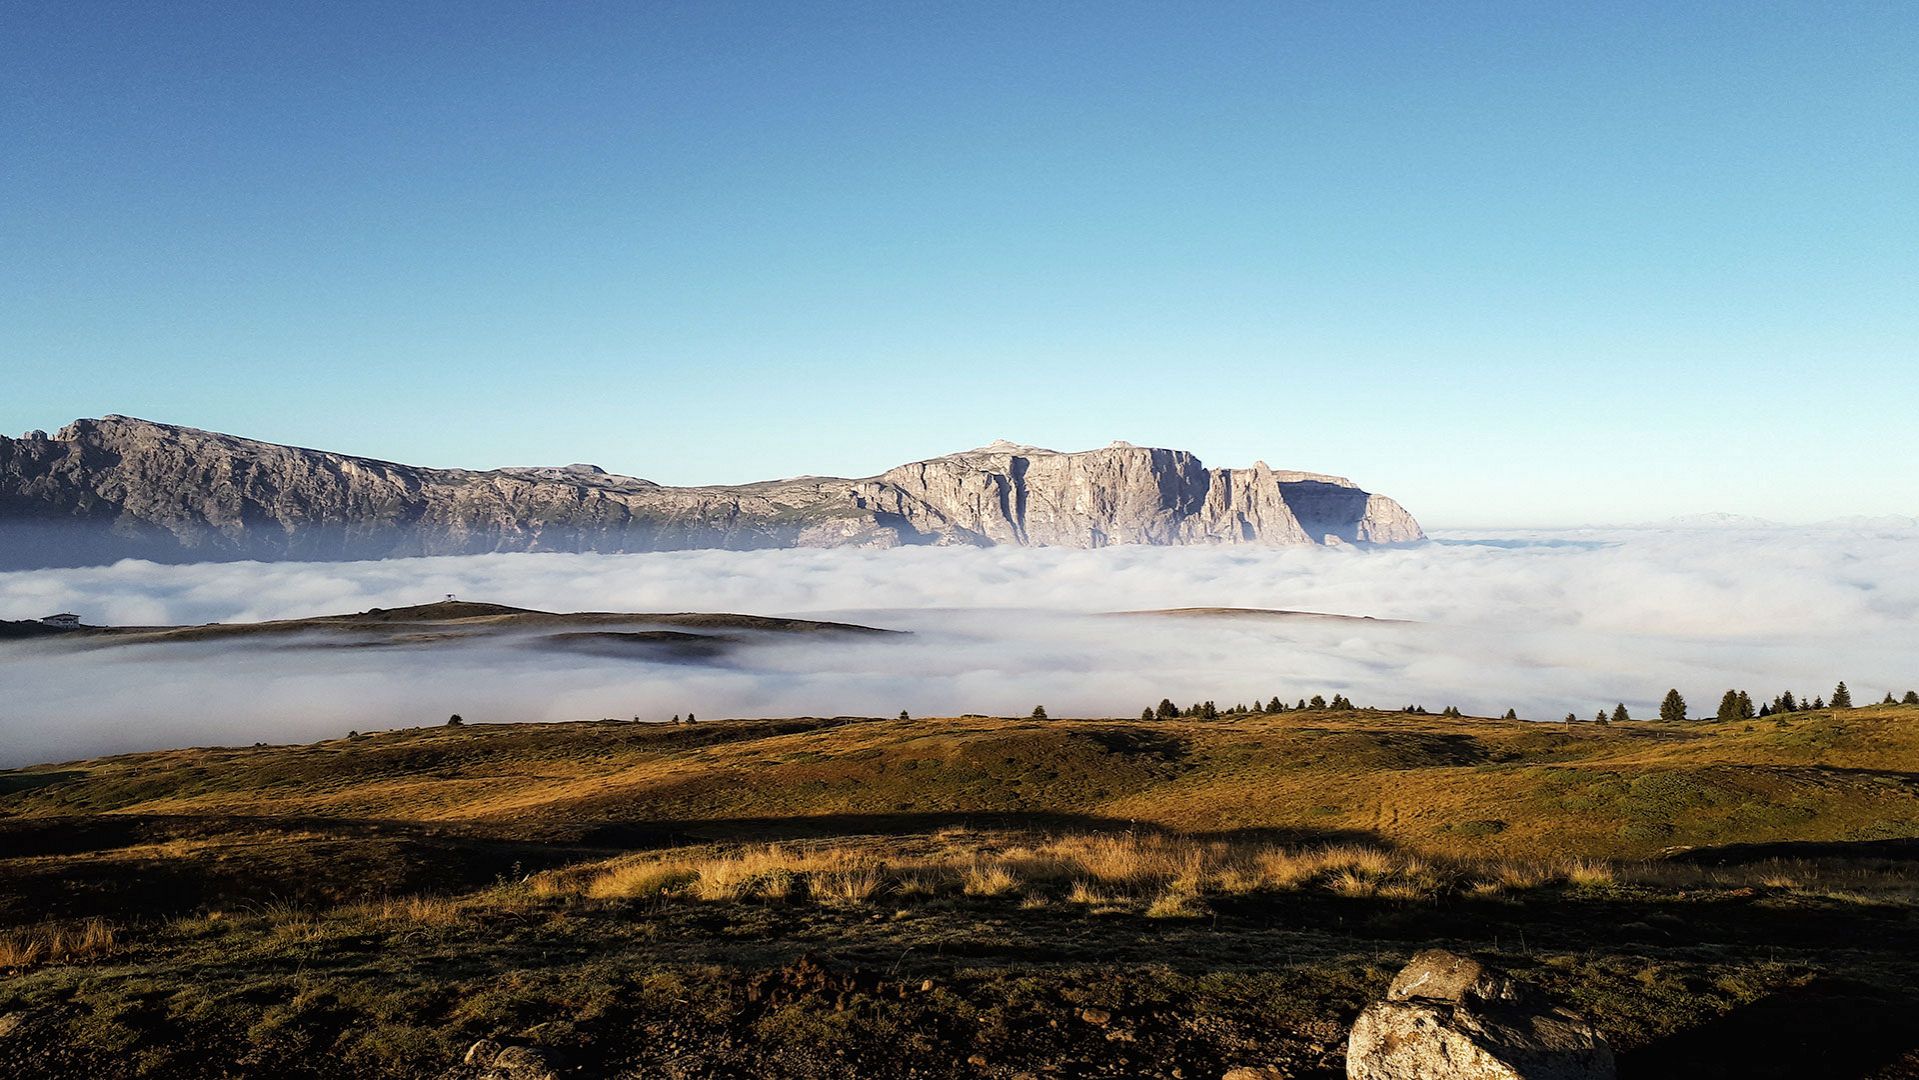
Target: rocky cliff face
point(117, 487)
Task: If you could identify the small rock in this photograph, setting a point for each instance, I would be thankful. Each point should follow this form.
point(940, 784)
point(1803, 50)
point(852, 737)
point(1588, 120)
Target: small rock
point(926, 987)
point(1439, 975)
point(10, 1023)
point(1257, 1072)
point(482, 1052)
point(978, 1061)
point(520, 1063)
point(1450, 1017)
point(1096, 1017)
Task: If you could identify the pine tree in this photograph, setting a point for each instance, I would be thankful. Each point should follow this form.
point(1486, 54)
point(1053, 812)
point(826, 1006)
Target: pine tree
point(1209, 711)
point(1167, 710)
point(1841, 697)
point(1318, 702)
point(903, 715)
point(1599, 717)
point(1274, 706)
point(1911, 698)
point(1039, 712)
point(1745, 706)
point(1572, 718)
point(455, 721)
point(1728, 707)
point(1673, 709)
point(1785, 703)
point(689, 717)
point(1146, 715)
point(1511, 714)
point(1817, 703)
point(1765, 710)
point(1888, 700)
point(1619, 713)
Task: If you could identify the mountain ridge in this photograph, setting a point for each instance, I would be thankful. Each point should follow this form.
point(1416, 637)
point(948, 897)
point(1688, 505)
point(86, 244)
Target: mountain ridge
point(121, 487)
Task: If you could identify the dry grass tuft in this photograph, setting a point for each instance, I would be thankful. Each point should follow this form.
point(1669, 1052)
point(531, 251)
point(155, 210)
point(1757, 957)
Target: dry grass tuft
point(414, 911)
point(847, 887)
point(643, 879)
point(54, 943)
point(1587, 873)
point(1177, 903)
point(985, 878)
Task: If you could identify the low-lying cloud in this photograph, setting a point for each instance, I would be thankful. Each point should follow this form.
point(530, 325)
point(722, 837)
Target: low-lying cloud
point(1541, 622)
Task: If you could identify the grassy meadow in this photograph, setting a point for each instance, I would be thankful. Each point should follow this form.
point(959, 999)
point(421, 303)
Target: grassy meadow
point(959, 897)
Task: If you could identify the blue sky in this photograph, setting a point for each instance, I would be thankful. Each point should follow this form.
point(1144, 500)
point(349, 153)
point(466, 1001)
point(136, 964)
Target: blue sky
point(1511, 263)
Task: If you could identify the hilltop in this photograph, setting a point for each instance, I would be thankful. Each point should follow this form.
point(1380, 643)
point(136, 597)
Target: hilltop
point(671, 637)
point(119, 487)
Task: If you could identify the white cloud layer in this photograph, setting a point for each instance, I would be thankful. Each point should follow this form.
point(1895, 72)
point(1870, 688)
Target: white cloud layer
point(1544, 622)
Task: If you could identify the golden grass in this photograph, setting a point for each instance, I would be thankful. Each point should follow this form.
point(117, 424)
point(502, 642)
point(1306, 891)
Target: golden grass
point(1561, 788)
point(55, 943)
point(1176, 902)
point(987, 878)
point(1166, 876)
point(846, 887)
point(632, 880)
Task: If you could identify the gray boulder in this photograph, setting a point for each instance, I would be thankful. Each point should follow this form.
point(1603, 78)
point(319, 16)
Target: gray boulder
point(1450, 1017)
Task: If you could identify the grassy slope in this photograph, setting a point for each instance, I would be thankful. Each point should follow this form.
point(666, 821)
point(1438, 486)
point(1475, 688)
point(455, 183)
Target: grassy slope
point(229, 877)
point(1460, 787)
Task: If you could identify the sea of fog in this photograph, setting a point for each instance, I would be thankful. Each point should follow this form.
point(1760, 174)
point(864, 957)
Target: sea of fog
point(1542, 622)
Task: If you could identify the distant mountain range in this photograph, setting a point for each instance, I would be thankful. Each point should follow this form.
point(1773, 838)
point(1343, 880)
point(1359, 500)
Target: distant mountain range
point(1745, 521)
point(119, 487)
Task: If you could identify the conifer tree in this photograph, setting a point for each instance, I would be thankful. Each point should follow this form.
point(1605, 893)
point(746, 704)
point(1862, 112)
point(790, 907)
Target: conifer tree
point(1146, 714)
point(1039, 712)
point(1786, 703)
point(903, 715)
point(1728, 707)
point(1274, 706)
point(1572, 718)
point(1209, 711)
point(1817, 703)
point(1888, 700)
point(1599, 717)
point(1619, 713)
point(1511, 714)
point(1745, 706)
point(1911, 698)
point(1673, 709)
point(1318, 702)
point(1841, 697)
point(1167, 710)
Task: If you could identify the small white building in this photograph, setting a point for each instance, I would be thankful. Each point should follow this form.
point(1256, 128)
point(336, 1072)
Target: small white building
point(65, 621)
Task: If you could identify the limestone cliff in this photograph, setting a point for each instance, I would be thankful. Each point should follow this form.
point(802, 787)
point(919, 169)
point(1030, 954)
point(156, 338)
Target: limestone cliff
point(118, 487)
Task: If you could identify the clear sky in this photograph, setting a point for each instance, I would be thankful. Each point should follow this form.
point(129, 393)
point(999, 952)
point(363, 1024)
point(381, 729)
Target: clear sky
point(1511, 263)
